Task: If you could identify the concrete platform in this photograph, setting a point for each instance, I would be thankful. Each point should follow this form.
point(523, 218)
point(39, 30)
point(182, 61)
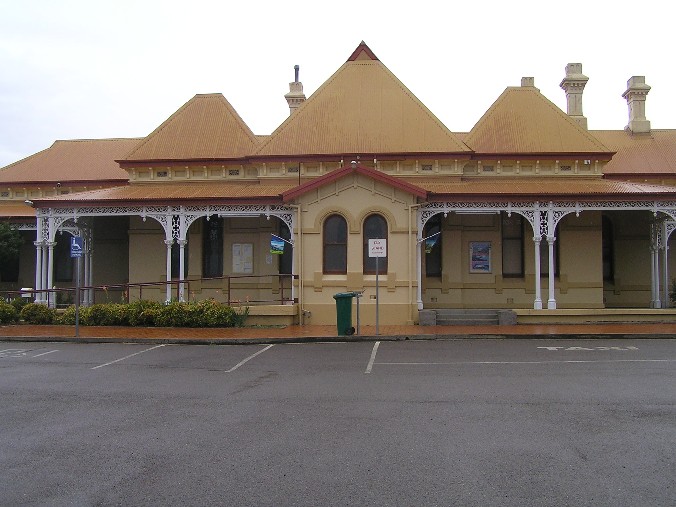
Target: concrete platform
point(290, 334)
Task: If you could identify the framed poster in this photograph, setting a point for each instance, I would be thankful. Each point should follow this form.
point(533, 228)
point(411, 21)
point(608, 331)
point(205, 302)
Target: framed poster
point(479, 256)
point(242, 258)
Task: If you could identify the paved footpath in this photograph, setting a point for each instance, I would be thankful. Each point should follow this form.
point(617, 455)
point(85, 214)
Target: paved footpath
point(308, 333)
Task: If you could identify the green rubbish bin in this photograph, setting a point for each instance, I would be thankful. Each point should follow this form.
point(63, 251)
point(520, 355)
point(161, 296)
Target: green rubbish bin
point(344, 313)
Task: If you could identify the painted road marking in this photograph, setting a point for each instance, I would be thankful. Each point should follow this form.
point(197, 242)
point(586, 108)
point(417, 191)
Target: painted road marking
point(373, 357)
point(538, 362)
point(555, 349)
point(127, 357)
point(248, 358)
point(45, 353)
point(14, 353)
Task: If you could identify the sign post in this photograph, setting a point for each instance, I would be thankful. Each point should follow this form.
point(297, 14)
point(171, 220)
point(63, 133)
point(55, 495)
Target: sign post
point(76, 253)
point(377, 249)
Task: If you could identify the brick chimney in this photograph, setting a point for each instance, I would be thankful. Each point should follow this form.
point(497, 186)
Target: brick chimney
point(635, 95)
point(295, 97)
point(573, 84)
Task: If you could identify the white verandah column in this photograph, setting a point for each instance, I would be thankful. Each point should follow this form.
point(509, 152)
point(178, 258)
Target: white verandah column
point(551, 238)
point(168, 242)
point(537, 236)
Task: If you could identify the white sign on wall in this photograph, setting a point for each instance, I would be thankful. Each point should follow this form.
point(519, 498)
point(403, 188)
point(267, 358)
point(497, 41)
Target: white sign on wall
point(377, 248)
point(242, 258)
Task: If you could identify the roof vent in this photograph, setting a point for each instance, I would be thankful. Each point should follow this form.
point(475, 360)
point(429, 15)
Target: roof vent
point(636, 93)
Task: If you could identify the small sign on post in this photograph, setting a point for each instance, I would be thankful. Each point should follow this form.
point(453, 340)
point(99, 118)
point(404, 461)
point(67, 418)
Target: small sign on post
point(377, 249)
point(76, 245)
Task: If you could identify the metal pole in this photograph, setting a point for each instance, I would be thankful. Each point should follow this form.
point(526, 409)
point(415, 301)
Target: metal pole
point(77, 299)
point(377, 272)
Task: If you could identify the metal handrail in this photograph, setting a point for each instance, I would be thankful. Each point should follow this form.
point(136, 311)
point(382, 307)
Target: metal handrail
point(176, 288)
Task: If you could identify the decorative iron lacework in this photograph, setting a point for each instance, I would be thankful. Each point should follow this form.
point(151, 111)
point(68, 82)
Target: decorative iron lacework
point(175, 220)
point(538, 214)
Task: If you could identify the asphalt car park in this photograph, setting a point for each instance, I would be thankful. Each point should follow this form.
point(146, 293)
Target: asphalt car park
point(447, 422)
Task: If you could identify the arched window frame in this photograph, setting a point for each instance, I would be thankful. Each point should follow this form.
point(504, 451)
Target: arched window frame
point(374, 227)
point(334, 239)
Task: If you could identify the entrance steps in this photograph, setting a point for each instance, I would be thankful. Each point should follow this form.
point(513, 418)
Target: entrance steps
point(460, 317)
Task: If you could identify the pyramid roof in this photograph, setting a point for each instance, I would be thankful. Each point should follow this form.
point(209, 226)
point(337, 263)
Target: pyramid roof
point(523, 121)
point(206, 127)
point(70, 161)
point(362, 109)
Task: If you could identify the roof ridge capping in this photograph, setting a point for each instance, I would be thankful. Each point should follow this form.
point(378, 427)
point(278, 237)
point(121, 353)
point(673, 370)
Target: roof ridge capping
point(363, 52)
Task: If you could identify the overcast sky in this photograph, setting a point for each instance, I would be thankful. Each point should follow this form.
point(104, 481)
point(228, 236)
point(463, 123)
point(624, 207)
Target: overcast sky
point(74, 69)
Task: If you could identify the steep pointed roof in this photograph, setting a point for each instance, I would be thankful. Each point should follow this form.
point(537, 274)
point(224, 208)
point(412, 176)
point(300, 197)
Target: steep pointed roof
point(362, 108)
point(523, 121)
point(206, 127)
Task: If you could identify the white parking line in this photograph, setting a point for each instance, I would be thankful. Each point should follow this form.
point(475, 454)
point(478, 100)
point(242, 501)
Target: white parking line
point(248, 358)
point(373, 357)
point(127, 357)
point(533, 362)
point(45, 353)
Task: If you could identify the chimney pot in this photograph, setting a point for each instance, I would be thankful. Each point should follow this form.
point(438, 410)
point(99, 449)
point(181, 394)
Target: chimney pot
point(635, 95)
point(573, 84)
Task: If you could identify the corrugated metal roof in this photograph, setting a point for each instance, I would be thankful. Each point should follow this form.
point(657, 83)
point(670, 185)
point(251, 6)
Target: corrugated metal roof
point(362, 108)
point(206, 127)
point(178, 191)
point(77, 160)
point(544, 187)
point(650, 153)
point(16, 211)
point(524, 121)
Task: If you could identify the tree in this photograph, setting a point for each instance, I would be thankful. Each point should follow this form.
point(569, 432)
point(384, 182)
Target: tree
point(10, 243)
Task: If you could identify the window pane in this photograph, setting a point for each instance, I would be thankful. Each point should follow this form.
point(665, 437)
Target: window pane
point(335, 245)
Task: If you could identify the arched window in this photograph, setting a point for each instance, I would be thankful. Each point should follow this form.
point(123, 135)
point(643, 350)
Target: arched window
point(335, 245)
point(432, 245)
point(375, 227)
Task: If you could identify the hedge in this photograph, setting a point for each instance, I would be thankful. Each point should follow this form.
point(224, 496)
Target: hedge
point(207, 313)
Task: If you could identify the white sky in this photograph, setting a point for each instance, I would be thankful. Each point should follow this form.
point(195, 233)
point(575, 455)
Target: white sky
point(86, 69)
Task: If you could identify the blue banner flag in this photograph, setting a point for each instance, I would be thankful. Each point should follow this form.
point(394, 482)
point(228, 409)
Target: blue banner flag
point(276, 245)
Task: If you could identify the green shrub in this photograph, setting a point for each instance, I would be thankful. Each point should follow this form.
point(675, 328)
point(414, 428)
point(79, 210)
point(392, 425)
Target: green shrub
point(113, 314)
point(8, 313)
point(19, 303)
point(34, 313)
point(143, 312)
point(175, 314)
point(67, 317)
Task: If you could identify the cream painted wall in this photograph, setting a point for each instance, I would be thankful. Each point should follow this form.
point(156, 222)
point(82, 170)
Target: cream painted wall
point(355, 197)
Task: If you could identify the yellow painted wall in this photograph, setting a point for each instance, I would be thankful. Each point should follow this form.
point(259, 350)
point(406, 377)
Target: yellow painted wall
point(355, 197)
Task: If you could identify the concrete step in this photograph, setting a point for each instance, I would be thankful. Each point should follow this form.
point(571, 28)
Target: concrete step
point(467, 317)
